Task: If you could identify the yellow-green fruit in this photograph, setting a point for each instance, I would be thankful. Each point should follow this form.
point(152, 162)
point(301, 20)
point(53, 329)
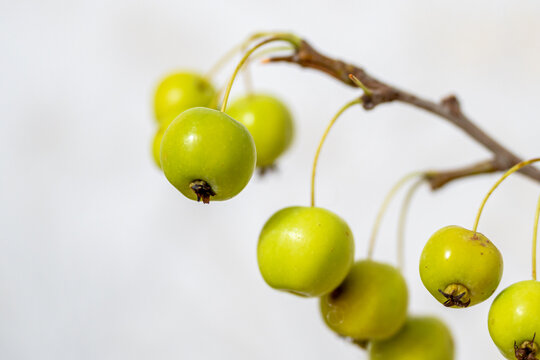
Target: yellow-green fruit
point(207, 154)
point(306, 251)
point(269, 122)
point(421, 338)
point(156, 145)
point(181, 91)
point(514, 318)
point(371, 304)
point(459, 267)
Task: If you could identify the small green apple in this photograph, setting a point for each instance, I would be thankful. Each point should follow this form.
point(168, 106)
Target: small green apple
point(206, 153)
point(370, 304)
point(421, 338)
point(306, 251)
point(156, 144)
point(514, 321)
point(459, 267)
point(180, 91)
point(269, 122)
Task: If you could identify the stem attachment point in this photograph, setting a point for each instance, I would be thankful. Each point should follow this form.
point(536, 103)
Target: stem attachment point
point(360, 84)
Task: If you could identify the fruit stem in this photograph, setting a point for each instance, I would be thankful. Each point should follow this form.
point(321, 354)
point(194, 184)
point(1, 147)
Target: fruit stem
point(321, 142)
point(225, 58)
point(259, 54)
point(360, 84)
point(384, 207)
point(535, 238)
point(512, 170)
point(293, 40)
point(270, 51)
point(402, 221)
point(246, 75)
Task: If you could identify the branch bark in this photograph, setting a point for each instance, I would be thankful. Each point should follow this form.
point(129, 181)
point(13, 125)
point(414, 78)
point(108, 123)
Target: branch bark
point(448, 108)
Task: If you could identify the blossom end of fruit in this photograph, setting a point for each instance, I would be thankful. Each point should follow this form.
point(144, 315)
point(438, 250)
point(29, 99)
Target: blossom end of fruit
point(263, 170)
point(527, 350)
point(457, 296)
point(362, 344)
point(202, 190)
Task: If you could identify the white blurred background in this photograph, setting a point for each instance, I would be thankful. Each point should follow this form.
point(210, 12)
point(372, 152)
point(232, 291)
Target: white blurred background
point(101, 258)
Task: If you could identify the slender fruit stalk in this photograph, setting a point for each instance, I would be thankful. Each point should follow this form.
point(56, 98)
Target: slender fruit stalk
point(323, 138)
point(293, 40)
point(384, 207)
point(253, 57)
point(247, 74)
point(358, 83)
point(512, 170)
point(535, 239)
point(225, 58)
point(402, 221)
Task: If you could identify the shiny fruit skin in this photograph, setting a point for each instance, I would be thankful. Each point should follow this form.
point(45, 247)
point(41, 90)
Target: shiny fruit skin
point(156, 145)
point(181, 91)
point(455, 255)
point(421, 338)
point(206, 144)
point(269, 122)
point(306, 251)
point(515, 316)
point(371, 304)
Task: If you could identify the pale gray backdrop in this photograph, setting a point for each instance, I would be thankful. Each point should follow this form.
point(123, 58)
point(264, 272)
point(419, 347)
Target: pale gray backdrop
point(100, 258)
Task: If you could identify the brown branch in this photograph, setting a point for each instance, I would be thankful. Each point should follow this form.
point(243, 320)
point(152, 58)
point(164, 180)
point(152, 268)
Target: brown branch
point(448, 108)
point(438, 179)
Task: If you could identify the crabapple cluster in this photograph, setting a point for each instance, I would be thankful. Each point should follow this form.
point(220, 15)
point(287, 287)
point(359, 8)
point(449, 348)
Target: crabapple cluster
point(205, 153)
point(210, 154)
point(309, 251)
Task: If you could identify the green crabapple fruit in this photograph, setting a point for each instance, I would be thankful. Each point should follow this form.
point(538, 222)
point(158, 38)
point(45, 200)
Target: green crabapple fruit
point(306, 251)
point(181, 91)
point(206, 153)
point(514, 321)
point(269, 122)
point(421, 338)
point(370, 304)
point(460, 267)
point(156, 144)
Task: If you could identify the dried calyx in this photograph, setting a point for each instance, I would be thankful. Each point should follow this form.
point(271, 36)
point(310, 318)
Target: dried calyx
point(528, 350)
point(363, 344)
point(263, 170)
point(456, 295)
point(203, 190)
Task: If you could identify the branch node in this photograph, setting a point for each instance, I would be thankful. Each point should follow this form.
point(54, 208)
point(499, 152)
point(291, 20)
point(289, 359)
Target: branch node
point(451, 103)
